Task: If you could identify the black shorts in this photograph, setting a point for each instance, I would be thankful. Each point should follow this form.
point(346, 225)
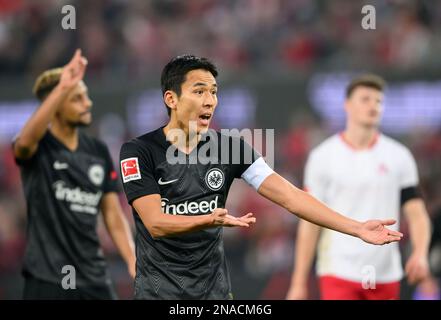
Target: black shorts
point(36, 289)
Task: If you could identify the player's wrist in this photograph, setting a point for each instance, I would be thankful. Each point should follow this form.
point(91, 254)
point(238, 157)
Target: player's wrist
point(421, 253)
point(66, 83)
point(210, 220)
point(61, 89)
point(299, 280)
point(299, 283)
point(357, 229)
point(131, 261)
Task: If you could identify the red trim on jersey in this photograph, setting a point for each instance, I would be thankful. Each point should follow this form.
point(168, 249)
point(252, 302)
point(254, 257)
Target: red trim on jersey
point(351, 146)
point(334, 288)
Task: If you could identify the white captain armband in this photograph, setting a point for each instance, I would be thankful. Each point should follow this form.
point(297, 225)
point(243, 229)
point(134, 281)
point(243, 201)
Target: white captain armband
point(256, 173)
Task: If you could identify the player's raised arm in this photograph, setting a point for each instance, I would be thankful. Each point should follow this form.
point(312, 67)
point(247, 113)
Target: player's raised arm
point(161, 225)
point(305, 206)
point(26, 143)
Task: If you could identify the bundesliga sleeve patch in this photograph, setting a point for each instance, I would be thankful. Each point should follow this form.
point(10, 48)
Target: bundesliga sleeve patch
point(130, 169)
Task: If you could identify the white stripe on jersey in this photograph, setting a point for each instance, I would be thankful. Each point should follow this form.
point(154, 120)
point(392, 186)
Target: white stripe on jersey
point(256, 173)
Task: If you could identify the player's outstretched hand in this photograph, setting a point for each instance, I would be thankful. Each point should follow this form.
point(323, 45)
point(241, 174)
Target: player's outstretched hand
point(375, 232)
point(74, 71)
point(222, 218)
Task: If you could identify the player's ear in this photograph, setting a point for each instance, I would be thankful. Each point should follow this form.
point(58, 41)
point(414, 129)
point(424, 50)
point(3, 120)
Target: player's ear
point(171, 99)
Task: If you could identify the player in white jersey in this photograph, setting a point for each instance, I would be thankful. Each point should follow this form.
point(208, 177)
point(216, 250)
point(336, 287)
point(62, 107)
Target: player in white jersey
point(366, 175)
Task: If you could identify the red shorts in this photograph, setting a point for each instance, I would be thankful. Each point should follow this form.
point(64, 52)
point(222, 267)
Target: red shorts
point(333, 288)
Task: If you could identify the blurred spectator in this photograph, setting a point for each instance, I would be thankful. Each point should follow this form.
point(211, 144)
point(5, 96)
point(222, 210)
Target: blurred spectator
point(133, 38)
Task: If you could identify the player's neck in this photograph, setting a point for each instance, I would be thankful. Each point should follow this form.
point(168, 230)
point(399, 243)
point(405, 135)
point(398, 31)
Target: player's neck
point(360, 138)
point(68, 135)
point(182, 138)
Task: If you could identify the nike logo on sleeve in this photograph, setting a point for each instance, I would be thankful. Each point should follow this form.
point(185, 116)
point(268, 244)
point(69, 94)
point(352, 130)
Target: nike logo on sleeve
point(160, 182)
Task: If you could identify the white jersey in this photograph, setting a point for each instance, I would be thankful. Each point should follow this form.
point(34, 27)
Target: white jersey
point(361, 184)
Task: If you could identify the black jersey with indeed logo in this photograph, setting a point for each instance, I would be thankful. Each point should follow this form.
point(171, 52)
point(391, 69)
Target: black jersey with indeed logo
point(193, 265)
point(63, 191)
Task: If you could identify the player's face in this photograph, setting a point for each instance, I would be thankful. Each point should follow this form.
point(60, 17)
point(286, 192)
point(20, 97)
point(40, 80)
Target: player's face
point(197, 101)
point(365, 106)
point(76, 108)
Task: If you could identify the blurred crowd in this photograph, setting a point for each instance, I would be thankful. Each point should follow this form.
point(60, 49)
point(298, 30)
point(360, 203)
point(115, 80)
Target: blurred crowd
point(132, 38)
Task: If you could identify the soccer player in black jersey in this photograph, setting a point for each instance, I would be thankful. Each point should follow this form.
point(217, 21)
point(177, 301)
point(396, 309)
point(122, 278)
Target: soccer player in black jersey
point(178, 206)
point(68, 178)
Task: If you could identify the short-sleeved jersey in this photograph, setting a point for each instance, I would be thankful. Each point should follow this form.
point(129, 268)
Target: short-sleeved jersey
point(193, 265)
point(63, 191)
point(363, 185)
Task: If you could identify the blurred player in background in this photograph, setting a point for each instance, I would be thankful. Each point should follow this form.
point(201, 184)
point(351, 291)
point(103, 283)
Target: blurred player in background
point(179, 208)
point(68, 178)
point(365, 175)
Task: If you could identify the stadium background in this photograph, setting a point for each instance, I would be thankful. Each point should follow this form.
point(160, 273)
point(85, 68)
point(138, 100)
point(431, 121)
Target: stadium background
point(283, 65)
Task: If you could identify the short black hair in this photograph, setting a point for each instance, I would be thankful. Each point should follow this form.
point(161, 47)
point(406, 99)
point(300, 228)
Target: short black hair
point(366, 80)
point(175, 71)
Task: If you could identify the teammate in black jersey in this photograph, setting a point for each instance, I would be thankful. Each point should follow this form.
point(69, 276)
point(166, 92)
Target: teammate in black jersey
point(68, 178)
point(177, 179)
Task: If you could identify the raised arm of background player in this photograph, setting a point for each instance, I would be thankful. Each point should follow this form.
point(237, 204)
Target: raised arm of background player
point(26, 143)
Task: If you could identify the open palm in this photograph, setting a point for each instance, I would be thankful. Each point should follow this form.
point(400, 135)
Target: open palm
point(375, 232)
point(222, 218)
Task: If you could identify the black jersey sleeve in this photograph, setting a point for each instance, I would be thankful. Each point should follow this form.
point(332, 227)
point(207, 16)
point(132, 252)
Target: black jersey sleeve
point(244, 158)
point(32, 160)
point(111, 178)
point(137, 171)
point(409, 193)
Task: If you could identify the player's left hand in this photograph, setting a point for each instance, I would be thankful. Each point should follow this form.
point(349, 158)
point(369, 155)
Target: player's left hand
point(417, 268)
point(222, 218)
point(248, 218)
point(375, 232)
